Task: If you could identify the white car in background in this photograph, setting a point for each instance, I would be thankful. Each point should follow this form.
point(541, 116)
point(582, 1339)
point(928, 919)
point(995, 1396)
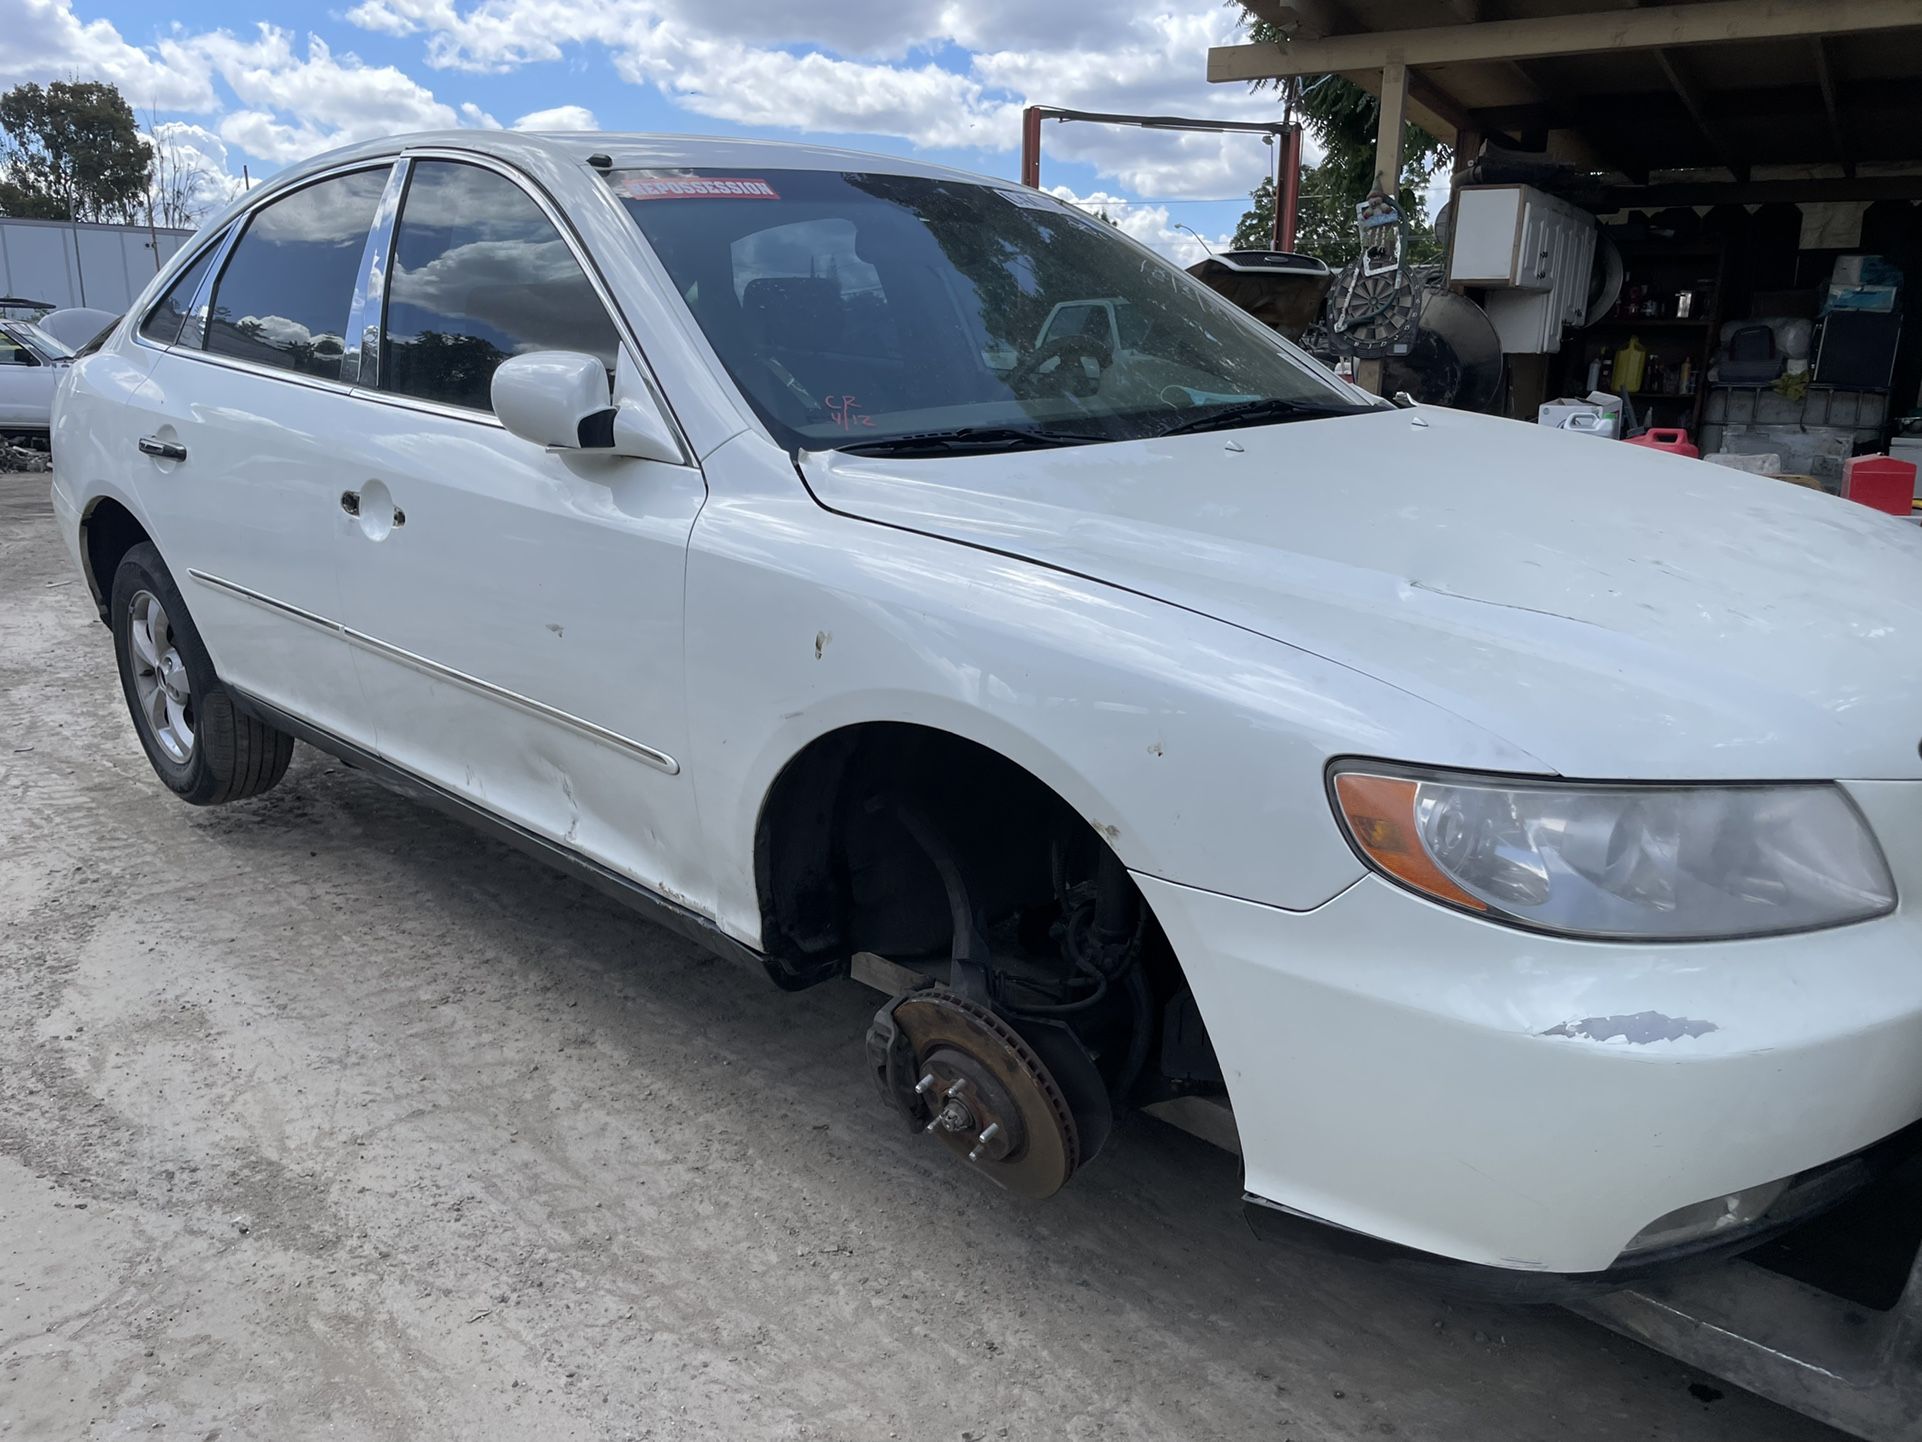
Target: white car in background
point(1509, 843)
point(31, 362)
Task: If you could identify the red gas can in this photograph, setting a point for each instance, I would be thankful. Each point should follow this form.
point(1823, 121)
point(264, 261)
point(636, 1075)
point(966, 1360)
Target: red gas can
point(1672, 439)
point(1880, 481)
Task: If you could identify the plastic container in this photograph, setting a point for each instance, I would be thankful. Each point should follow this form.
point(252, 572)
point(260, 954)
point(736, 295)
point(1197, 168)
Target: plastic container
point(1630, 361)
point(1672, 439)
point(1880, 482)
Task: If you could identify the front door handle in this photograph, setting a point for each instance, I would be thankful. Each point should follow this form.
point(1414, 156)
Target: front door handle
point(162, 450)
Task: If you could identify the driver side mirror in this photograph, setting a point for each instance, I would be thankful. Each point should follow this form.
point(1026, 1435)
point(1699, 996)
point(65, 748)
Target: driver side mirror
point(559, 399)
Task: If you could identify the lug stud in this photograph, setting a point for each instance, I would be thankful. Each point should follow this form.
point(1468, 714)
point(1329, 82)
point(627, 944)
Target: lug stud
point(992, 1130)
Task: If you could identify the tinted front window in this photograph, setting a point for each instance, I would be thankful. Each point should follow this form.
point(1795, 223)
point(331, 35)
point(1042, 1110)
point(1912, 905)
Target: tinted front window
point(284, 296)
point(854, 307)
point(163, 322)
point(479, 274)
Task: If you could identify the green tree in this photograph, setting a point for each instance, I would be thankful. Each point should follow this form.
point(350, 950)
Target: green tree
point(70, 150)
point(1325, 220)
point(1257, 228)
point(1342, 117)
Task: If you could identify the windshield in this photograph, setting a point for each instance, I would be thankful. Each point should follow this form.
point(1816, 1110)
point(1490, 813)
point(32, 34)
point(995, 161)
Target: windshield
point(50, 346)
point(855, 309)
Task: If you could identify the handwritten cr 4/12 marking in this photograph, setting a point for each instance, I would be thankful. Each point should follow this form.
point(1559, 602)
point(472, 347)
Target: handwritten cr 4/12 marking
point(846, 412)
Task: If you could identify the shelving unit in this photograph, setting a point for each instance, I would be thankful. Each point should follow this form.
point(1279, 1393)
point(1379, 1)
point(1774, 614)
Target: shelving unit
point(1665, 268)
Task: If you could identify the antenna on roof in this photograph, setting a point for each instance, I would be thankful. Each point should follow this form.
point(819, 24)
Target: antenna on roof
point(600, 161)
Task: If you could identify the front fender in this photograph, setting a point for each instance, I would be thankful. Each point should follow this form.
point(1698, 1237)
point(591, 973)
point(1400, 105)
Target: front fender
point(1196, 748)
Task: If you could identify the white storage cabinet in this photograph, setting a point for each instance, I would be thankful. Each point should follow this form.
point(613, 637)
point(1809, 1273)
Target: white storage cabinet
point(1533, 253)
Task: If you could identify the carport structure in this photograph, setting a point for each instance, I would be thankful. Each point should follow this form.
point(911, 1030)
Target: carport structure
point(1687, 103)
point(1655, 104)
point(1701, 103)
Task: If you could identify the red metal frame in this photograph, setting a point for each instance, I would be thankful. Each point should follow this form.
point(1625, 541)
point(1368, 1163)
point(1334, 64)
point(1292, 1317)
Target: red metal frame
point(1288, 192)
point(1286, 134)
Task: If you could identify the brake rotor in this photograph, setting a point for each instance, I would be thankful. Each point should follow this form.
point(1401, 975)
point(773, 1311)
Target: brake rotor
point(990, 1099)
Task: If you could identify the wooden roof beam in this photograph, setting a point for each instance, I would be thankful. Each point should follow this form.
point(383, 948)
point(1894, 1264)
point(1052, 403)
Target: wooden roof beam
point(1585, 147)
point(1759, 192)
point(1650, 28)
point(1831, 102)
point(1690, 94)
point(1429, 105)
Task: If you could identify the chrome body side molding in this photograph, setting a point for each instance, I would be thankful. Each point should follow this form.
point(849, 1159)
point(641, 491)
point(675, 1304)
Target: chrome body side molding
point(653, 756)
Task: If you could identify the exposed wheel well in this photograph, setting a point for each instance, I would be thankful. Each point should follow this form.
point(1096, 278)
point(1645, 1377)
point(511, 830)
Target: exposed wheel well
point(838, 872)
point(835, 873)
point(107, 533)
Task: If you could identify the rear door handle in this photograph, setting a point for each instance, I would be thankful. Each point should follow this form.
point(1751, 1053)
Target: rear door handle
point(162, 450)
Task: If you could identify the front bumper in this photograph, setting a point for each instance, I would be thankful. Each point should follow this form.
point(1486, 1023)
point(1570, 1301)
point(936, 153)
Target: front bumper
point(1807, 1196)
point(1424, 1078)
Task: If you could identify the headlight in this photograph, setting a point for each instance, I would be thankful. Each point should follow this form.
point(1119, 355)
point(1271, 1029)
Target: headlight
point(1638, 863)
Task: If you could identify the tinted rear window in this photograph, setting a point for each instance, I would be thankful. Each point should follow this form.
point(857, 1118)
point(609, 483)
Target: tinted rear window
point(284, 297)
point(163, 322)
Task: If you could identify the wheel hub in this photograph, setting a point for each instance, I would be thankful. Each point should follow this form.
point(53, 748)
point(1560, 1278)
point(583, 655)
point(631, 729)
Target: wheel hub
point(973, 1113)
point(984, 1095)
point(173, 676)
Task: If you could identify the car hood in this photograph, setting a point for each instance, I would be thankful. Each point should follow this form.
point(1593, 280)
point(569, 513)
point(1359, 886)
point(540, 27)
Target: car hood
point(1613, 611)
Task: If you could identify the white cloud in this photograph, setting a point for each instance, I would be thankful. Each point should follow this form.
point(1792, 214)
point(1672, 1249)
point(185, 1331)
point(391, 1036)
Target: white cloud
point(862, 70)
point(771, 89)
point(286, 96)
point(326, 100)
point(937, 74)
point(194, 174)
point(561, 117)
point(43, 40)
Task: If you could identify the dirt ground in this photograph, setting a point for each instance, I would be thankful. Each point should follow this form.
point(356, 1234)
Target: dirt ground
point(321, 1117)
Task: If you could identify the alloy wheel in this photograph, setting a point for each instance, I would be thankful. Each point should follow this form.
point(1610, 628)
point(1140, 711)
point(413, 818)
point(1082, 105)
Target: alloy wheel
point(161, 687)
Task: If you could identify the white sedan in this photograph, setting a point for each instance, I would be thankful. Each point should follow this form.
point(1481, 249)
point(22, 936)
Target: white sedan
point(32, 360)
point(1508, 841)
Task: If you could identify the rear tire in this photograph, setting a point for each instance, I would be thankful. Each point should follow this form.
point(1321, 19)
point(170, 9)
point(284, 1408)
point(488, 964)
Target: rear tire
point(201, 744)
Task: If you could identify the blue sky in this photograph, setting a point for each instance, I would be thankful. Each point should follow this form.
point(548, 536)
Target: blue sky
point(247, 82)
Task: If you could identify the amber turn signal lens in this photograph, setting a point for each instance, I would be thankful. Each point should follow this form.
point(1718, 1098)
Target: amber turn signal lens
point(1379, 812)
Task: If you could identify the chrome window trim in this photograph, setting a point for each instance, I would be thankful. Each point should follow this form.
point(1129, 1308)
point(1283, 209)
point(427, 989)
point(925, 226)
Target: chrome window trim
point(193, 326)
point(360, 361)
point(442, 409)
point(658, 759)
point(196, 322)
point(582, 257)
point(256, 368)
point(401, 165)
point(216, 250)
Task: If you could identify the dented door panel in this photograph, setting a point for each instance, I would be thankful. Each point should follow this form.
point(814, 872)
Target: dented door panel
point(515, 618)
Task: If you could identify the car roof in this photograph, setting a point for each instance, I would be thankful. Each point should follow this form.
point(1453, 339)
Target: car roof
point(634, 150)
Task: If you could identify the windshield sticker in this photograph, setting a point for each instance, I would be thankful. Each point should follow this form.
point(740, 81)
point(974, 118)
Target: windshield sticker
point(696, 187)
